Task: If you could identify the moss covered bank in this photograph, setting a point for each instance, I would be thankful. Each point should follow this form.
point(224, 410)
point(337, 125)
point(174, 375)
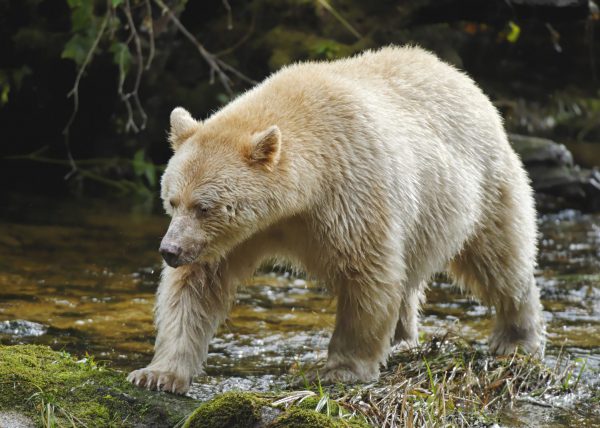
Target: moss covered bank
point(55, 389)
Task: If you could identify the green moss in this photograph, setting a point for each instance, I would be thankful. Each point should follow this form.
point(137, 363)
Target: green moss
point(303, 418)
point(230, 410)
point(311, 403)
point(40, 382)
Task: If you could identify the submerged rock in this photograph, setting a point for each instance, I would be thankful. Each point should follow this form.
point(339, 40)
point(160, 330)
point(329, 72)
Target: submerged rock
point(22, 328)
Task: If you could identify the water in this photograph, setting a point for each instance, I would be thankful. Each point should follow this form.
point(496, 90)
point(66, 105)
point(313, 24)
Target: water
point(81, 275)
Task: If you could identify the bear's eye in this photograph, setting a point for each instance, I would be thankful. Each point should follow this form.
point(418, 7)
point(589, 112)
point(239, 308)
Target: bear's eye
point(173, 203)
point(202, 209)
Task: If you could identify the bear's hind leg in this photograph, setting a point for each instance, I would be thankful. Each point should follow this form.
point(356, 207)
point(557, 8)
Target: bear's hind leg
point(407, 333)
point(364, 329)
point(515, 297)
point(497, 266)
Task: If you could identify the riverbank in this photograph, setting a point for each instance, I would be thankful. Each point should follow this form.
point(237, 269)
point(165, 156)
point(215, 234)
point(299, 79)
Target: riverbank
point(445, 381)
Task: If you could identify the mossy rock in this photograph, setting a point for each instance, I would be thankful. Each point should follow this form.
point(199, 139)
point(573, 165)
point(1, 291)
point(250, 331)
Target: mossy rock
point(47, 385)
point(303, 418)
point(245, 409)
point(304, 414)
point(42, 383)
point(311, 403)
point(230, 410)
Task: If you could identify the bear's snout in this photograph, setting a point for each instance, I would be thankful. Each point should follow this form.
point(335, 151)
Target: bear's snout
point(171, 253)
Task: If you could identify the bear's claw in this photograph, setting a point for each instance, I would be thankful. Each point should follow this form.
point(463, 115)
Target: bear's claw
point(159, 380)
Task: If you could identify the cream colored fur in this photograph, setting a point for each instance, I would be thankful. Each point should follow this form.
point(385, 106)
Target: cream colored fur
point(371, 173)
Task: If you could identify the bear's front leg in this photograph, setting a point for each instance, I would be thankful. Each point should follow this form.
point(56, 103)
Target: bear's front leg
point(191, 301)
point(364, 327)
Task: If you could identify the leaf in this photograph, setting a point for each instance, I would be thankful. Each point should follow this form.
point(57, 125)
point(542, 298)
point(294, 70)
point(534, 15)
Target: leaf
point(139, 162)
point(223, 98)
point(150, 173)
point(117, 3)
point(514, 31)
point(121, 57)
point(83, 18)
point(4, 91)
point(144, 168)
point(77, 48)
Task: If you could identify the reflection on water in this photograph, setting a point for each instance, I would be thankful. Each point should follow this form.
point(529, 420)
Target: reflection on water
point(83, 274)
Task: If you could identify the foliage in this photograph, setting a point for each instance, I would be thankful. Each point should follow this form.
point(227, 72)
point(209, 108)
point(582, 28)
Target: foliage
point(124, 31)
point(155, 54)
point(445, 382)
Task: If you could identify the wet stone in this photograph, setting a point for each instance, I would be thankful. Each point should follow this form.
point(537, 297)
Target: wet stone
point(15, 420)
point(22, 328)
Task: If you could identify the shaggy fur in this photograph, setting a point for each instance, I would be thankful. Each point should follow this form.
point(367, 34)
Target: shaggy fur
point(371, 173)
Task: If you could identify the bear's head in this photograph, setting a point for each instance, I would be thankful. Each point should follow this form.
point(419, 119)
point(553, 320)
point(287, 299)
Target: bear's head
point(217, 187)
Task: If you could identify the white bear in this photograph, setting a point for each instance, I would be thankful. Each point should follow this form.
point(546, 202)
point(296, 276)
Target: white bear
point(370, 173)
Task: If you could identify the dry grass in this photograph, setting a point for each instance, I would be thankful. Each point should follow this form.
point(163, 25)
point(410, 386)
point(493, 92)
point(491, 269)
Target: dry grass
point(446, 382)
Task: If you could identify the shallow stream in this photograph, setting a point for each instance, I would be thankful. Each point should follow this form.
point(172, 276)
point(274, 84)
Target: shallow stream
point(83, 274)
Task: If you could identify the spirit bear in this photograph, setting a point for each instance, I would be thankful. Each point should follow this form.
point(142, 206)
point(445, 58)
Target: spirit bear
point(371, 174)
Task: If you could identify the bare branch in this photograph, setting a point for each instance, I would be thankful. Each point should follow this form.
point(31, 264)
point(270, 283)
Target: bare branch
point(74, 92)
point(235, 71)
point(216, 65)
point(140, 70)
point(150, 22)
point(340, 18)
point(241, 41)
point(229, 16)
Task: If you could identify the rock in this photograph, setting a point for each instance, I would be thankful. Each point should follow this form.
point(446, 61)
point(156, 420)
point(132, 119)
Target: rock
point(39, 383)
point(36, 381)
point(536, 150)
point(15, 420)
point(22, 328)
point(557, 181)
point(232, 410)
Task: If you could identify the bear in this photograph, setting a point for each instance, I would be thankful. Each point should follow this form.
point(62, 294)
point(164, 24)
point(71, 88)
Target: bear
point(371, 174)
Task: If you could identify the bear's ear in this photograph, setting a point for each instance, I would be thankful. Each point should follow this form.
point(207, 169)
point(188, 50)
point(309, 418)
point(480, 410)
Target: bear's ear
point(183, 125)
point(266, 147)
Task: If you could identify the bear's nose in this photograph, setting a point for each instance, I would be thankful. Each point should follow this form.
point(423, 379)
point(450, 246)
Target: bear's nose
point(171, 253)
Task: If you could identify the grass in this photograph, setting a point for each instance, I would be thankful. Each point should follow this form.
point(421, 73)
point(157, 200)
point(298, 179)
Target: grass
point(446, 382)
point(58, 390)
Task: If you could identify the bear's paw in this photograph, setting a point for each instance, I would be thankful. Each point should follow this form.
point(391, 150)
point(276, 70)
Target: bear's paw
point(160, 380)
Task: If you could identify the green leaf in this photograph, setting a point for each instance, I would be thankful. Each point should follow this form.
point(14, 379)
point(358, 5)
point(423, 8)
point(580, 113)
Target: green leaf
point(514, 31)
point(139, 163)
point(150, 173)
point(116, 3)
point(121, 57)
point(83, 18)
point(144, 168)
point(77, 48)
point(4, 91)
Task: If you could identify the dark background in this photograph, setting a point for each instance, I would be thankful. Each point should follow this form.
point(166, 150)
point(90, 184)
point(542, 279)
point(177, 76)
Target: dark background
point(537, 60)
